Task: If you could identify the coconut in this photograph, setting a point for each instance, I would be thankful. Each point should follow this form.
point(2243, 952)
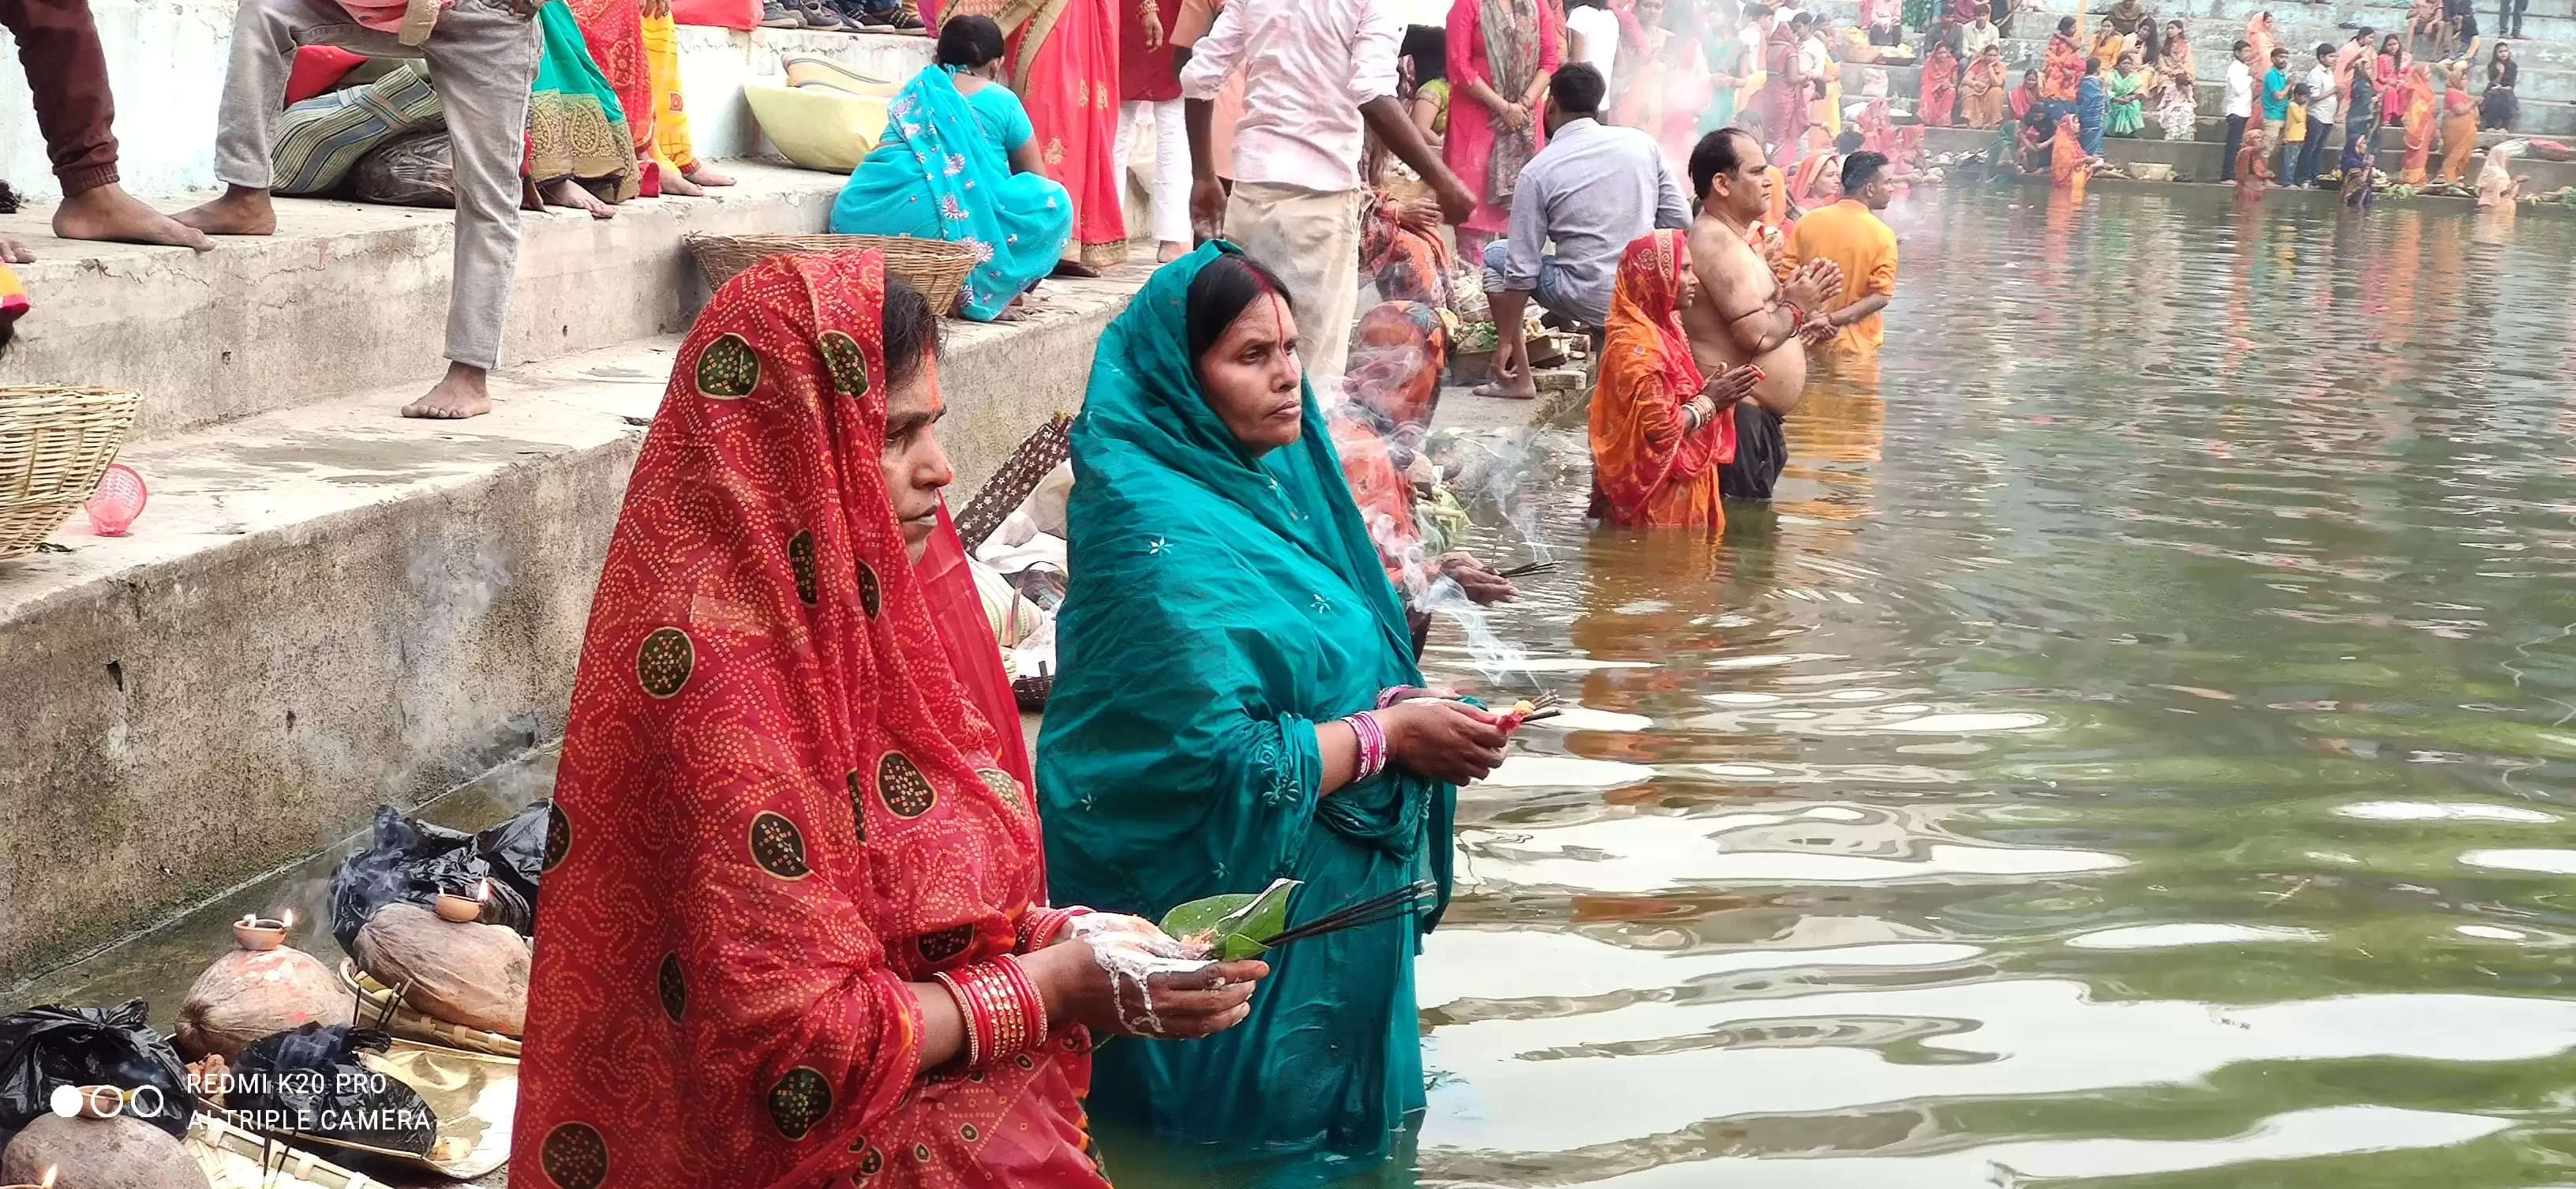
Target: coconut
point(119, 1153)
point(463, 973)
point(248, 994)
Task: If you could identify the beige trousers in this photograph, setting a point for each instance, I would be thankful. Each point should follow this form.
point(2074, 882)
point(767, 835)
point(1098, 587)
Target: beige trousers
point(481, 59)
point(1312, 240)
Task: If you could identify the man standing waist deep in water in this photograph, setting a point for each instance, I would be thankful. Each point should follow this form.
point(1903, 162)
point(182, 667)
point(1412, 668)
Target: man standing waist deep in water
point(1747, 315)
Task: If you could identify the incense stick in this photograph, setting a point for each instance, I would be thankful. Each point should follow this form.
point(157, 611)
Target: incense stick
point(1374, 910)
point(1536, 567)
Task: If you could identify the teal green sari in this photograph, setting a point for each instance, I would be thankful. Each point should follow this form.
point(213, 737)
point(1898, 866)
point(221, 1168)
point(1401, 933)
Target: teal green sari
point(1221, 606)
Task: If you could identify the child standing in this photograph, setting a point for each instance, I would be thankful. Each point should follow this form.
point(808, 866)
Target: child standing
point(2294, 137)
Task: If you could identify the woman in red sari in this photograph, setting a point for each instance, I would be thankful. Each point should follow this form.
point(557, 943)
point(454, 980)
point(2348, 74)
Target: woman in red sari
point(2421, 103)
point(1940, 86)
point(1659, 432)
point(2062, 64)
point(1501, 54)
point(1063, 63)
point(794, 926)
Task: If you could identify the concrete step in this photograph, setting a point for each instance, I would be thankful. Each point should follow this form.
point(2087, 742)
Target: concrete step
point(350, 296)
point(326, 607)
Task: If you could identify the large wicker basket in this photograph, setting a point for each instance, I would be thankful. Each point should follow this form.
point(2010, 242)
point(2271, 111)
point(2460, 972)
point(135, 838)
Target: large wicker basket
point(936, 267)
point(54, 444)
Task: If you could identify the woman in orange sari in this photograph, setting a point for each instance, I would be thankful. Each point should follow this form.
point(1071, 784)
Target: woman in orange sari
point(2420, 108)
point(795, 924)
point(1659, 432)
point(1064, 67)
point(2459, 124)
point(1940, 86)
point(2061, 65)
point(2260, 34)
point(2068, 164)
point(1982, 91)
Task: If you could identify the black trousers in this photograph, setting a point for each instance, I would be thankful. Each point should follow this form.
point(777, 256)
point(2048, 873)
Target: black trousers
point(2509, 17)
point(2235, 141)
point(2312, 152)
point(1761, 450)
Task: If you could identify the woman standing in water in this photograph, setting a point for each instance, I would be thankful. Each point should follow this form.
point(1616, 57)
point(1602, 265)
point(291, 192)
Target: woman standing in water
point(1235, 705)
point(1501, 54)
point(1659, 437)
point(795, 927)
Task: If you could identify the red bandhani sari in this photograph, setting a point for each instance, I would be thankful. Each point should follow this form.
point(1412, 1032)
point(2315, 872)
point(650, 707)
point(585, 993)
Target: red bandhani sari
point(1647, 472)
point(777, 807)
point(1940, 86)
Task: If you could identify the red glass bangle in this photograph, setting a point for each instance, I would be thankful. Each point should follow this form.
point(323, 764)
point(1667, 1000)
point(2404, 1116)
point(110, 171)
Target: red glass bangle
point(1031, 1004)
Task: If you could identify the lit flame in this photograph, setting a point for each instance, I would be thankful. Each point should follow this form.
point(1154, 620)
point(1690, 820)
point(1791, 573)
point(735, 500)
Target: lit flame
point(287, 919)
point(483, 889)
point(48, 1179)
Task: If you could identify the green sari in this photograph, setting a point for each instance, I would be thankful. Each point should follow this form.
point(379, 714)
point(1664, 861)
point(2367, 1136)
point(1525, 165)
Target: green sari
point(2128, 96)
point(1221, 606)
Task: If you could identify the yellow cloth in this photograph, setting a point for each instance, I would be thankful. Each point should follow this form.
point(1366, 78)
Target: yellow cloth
point(2294, 126)
point(670, 119)
point(1849, 235)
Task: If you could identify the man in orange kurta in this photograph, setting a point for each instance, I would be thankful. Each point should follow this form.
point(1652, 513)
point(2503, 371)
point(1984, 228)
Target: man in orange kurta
point(1660, 434)
point(1850, 234)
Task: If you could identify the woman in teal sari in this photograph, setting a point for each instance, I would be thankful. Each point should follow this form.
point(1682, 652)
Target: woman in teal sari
point(1236, 704)
point(958, 164)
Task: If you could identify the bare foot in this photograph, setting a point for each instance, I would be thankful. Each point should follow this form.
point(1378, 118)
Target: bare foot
point(241, 211)
point(567, 192)
point(704, 176)
point(13, 252)
point(109, 213)
point(674, 182)
point(460, 395)
point(1505, 390)
point(1171, 252)
point(529, 199)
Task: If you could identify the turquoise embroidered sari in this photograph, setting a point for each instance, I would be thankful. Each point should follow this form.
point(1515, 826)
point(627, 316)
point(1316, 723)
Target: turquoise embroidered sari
point(943, 171)
point(1221, 606)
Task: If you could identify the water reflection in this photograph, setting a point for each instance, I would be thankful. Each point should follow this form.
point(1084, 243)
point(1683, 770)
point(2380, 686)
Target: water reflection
point(2131, 747)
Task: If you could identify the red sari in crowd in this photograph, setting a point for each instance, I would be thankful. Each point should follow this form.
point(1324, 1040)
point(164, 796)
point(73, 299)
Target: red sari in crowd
point(614, 30)
point(1940, 86)
point(2061, 68)
point(779, 805)
point(1503, 44)
point(1647, 472)
point(1063, 59)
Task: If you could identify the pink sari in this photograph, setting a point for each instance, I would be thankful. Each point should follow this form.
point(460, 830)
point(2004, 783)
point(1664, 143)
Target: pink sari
point(1469, 149)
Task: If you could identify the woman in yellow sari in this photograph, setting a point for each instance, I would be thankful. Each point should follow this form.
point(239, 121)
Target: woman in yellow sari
point(1660, 434)
point(2459, 124)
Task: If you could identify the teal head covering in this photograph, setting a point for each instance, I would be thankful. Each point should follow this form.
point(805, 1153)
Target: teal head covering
point(1221, 605)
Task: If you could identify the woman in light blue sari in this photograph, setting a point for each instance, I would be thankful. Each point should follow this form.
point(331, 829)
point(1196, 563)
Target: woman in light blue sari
point(957, 164)
point(1235, 704)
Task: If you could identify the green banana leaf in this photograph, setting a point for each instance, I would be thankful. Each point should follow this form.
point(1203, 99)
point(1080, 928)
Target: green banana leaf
point(1233, 926)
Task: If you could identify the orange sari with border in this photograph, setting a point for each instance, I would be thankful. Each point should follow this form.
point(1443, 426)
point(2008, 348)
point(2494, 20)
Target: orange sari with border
point(779, 805)
point(1647, 471)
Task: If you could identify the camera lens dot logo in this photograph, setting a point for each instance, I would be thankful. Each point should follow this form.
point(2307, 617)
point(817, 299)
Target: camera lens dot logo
point(66, 1101)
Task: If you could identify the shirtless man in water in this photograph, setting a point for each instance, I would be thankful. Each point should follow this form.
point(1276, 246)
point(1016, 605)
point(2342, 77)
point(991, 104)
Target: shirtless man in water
point(1746, 317)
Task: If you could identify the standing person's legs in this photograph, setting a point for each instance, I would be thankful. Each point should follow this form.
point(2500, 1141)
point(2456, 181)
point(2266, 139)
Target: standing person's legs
point(481, 60)
point(1172, 182)
point(67, 74)
point(1312, 240)
point(2235, 142)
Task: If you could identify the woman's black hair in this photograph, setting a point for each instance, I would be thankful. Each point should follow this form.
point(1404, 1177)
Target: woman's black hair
point(911, 333)
point(1428, 46)
point(1221, 291)
point(968, 42)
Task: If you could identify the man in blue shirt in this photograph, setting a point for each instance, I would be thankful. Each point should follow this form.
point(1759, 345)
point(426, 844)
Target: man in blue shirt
point(1592, 191)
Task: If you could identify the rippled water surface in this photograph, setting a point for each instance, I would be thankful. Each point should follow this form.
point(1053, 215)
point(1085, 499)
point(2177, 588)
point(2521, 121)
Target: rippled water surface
point(2135, 749)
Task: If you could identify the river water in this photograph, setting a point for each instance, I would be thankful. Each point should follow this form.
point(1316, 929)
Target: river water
point(2133, 749)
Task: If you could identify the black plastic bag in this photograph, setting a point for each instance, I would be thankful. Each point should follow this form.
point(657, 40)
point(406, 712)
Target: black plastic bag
point(45, 1047)
point(415, 861)
point(310, 1082)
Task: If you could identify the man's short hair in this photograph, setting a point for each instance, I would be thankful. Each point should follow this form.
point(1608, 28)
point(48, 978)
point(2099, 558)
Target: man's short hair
point(2243, 45)
point(1860, 169)
point(1718, 152)
point(1849, 142)
point(1801, 19)
point(1578, 89)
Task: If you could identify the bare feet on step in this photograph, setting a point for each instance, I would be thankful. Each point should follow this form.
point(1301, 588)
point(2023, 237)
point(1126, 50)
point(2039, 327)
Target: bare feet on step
point(704, 176)
point(462, 394)
point(676, 183)
point(109, 213)
point(241, 211)
point(567, 192)
point(13, 252)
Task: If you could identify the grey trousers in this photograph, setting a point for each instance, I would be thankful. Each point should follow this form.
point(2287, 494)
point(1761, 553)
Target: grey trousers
point(482, 57)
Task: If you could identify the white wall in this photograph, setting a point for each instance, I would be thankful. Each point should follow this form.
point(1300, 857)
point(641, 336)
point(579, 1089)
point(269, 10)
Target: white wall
point(165, 60)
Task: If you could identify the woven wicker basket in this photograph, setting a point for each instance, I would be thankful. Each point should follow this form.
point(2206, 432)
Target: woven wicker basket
point(54, 443)
point(936, 267)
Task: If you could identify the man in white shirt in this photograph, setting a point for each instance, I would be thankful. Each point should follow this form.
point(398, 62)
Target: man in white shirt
point(1977, 36)
point(1314, 72)
point(2240, 106)
point(2323, 111)
point(1596, 35)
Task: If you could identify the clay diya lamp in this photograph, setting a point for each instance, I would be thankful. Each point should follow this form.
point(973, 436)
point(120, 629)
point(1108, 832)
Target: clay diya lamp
point(258, 933)
point(463, 909)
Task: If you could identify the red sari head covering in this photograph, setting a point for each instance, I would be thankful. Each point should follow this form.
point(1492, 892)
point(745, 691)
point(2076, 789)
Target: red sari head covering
point(1647, 375)
point(777, 806)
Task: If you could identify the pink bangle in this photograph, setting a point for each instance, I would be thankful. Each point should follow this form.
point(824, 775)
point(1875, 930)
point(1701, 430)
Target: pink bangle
point(1372, 741)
